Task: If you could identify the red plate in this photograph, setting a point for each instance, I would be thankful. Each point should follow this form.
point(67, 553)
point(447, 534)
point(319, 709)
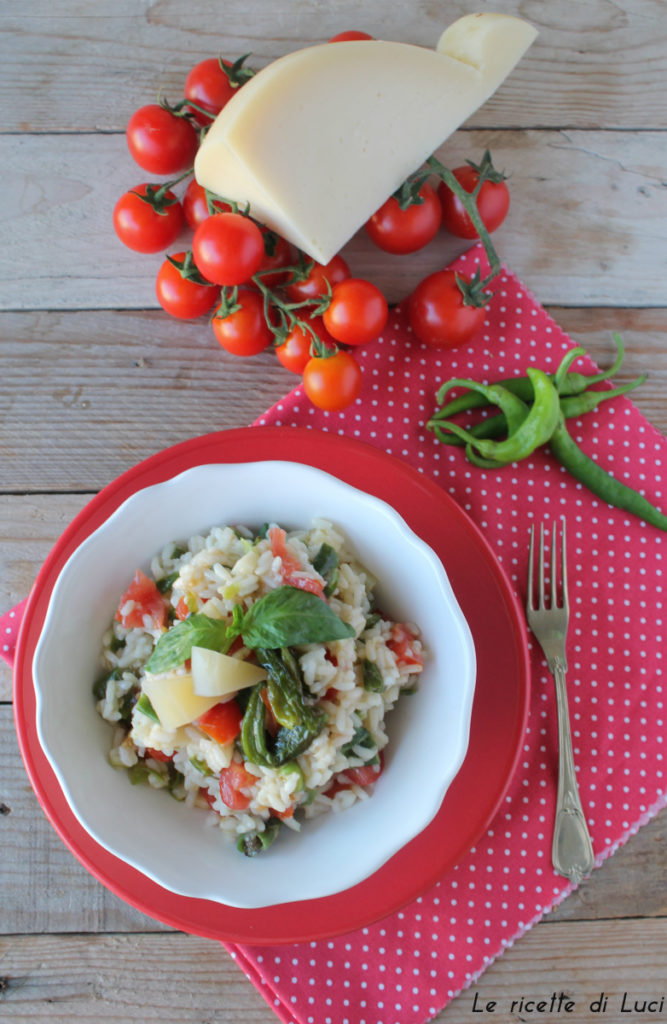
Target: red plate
point(499, 712)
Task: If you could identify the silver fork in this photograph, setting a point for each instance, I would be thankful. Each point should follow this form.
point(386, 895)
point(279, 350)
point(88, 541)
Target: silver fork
point(572, 851)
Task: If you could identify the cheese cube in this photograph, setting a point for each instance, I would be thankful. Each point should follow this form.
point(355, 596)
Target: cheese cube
point(219, 675)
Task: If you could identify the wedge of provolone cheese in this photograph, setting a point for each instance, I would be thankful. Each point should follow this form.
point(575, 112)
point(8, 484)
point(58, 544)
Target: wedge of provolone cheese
point(316, 141)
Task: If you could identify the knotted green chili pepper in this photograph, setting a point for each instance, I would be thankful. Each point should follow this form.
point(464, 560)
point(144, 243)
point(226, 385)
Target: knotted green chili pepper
point(529, 427)
point(483, 450)
point(571, 407)
point(569, 383)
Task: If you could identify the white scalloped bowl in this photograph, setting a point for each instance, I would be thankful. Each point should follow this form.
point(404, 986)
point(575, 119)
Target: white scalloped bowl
point(171, 844)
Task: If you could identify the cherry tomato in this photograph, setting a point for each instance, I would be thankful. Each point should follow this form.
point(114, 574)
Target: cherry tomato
point(228, 248)
point(208, 86)
point(141, 600)
point(438, 315)
point(142, 227)
point(195, 207)
point(244, 332)
point(232, 780)
point(493, 202)
point(352, 35)
point(295, 351)
point(357, 313)
point(332, 382)
point(181, 297)
point(277, 255)
point(315, 284)
point(161, 142)
point(222, 722)
point(402, 231)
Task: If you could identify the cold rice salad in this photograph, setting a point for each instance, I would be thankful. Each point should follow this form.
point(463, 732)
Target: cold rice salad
point(250, 674)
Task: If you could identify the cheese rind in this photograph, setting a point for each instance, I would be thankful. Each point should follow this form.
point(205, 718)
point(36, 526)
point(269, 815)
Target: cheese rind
point(316, 141)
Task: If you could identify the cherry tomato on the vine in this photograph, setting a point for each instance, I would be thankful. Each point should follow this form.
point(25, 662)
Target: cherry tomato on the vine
point(161, 142)
point(245, 331)
point(437, 313)
point(295, 351)
point(277, 255)
point(402, 231)
point(315, 284)
point(332, 382)
point(228, 248)
point(143, 227)
point(357, 312)
point(208, 86)
point(352, 35)
point(493, 202)
point(195, 207)
point(180, 296)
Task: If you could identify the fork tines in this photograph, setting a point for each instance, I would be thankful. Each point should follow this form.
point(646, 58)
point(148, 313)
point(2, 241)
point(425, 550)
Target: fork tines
point(553, 571)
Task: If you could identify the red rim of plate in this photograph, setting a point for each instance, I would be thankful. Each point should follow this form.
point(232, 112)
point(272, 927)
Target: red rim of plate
point(500, 708)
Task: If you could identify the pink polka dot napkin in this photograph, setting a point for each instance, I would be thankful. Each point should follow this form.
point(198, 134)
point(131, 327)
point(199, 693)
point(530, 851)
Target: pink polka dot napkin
point(405, 968)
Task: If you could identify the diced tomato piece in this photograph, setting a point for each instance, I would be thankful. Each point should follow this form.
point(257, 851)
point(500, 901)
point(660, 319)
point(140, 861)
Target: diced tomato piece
point(208, 797)
point(403, 643)
point(364, 775)
point(222, 722)
point(158, 755)
point(182, 610)
point(290, 565)
point(331, 693)
point(146, 601)
point(279, 550)
point(288, 813)
point(232, 780)
point(308, 583)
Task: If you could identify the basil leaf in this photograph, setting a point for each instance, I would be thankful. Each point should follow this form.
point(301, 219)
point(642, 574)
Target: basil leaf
point(287, 616)
point(175, 646)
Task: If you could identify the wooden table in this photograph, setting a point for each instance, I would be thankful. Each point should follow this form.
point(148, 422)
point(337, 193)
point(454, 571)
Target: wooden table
point(95, 378)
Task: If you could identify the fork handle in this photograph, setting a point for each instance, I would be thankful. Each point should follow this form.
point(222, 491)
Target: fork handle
point(572, 850)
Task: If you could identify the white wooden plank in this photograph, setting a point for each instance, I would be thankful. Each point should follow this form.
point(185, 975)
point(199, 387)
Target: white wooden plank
point(88, 66)
point(179, 979)
point(586, 227)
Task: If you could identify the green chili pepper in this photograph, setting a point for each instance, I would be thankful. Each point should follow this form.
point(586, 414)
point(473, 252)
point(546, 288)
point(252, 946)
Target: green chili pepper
point(372, 676)
point(284, 685)
point(597, 480)
point(288, 743)
point(252, 843)
point(570, 384)
point(535, 429)
point(571, 406)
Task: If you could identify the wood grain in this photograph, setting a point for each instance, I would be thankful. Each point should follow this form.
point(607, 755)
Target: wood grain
point(595, 65)
point(586, 227)
point(117, 978)
point(86, 395)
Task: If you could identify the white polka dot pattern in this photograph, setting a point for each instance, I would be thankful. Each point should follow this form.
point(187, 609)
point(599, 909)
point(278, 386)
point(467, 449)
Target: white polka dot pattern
point(404, 969)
